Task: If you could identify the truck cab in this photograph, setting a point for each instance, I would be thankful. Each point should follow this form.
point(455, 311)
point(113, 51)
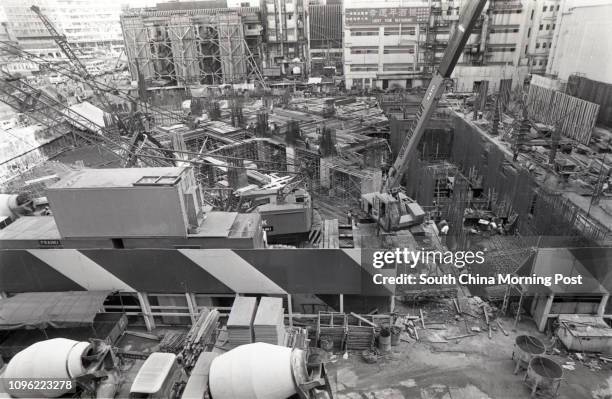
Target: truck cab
point(159, 377)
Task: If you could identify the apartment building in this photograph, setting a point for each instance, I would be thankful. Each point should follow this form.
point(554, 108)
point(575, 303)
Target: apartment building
point(285, 35)
point(541, 27)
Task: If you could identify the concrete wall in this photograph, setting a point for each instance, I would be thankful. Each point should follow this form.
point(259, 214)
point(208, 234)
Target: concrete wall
point(465, 76)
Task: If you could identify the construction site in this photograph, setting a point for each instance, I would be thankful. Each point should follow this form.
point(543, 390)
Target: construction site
point(201, 225)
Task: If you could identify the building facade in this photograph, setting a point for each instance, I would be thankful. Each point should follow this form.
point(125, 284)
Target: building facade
point(541, 27)
point(325, 38)
point(285, 34)
point(398, 43)
point(581, 44)
point(86, 24)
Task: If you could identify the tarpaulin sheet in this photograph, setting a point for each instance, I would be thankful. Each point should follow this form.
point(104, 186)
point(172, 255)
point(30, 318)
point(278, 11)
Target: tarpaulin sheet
point(51, 309)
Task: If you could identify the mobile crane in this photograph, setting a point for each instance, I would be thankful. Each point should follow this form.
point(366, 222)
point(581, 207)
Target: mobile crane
point(390, 207)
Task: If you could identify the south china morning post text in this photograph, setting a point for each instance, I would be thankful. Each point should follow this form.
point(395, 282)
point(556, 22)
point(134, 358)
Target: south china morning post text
point(392, 259)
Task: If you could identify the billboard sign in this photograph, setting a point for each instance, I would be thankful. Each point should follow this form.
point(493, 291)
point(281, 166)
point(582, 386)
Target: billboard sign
point(386, 16)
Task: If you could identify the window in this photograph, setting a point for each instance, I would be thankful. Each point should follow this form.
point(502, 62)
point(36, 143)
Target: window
point(554, 26)
point(526, 48)
point(547, 27)
point(396, 30)
point(537, 45)
point(529, 32)
point(541, 27)
point(364, 32)
point(531, 15)
point(364, 50)
point(399, 50)
point(398, 67)
point(544, 45)
point(557, 7)
point(545, 8)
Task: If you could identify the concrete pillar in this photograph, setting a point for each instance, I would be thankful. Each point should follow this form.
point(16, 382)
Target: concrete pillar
point(545, 312)
point(341, 303)
point(193, 306)
point(290, 310)
point(601, 309)
point(146, 311)
point(392, 304)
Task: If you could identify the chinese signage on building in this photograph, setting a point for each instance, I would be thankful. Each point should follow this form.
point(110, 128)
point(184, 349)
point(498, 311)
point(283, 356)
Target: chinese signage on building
point(386, 16)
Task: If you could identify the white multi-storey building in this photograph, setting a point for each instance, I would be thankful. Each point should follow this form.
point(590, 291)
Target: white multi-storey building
point(398, 42)
point(86, 23)
point(581, 43)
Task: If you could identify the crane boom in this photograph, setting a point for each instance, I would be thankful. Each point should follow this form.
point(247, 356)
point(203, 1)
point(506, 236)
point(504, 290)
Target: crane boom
point(416, 129)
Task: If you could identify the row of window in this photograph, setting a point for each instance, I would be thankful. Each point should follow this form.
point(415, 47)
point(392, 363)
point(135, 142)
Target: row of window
point(547, 26)
point(504, 30)
point(396, 30)
point(364, 68)
point(501, 49)
point(544, 45)
point(386, 67)
point(386, 50)
point(516, 11)
point(364, 32)
point(552, 8)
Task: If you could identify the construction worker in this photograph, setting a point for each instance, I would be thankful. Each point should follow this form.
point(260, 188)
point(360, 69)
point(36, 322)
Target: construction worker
point(349, 217)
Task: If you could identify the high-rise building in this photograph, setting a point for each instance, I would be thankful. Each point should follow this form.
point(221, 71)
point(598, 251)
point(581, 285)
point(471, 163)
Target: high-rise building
point(285, 32)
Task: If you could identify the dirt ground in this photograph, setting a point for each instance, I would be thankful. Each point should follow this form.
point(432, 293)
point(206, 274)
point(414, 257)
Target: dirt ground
point(470, 368)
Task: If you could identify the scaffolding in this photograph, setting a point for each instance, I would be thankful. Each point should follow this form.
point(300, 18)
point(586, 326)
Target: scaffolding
point(191, 47)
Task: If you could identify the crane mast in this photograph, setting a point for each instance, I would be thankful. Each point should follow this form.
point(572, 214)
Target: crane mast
point(416, 129)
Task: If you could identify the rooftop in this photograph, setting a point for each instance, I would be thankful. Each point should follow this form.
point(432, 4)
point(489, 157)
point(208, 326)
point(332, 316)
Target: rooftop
point(119, 177)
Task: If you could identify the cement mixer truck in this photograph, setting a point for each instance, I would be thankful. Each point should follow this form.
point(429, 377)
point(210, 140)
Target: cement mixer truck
point(253, 371)
point(52, 368)
point(259, 371)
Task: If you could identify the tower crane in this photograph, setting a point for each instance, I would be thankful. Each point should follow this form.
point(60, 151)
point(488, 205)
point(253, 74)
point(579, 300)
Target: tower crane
point(390, 207)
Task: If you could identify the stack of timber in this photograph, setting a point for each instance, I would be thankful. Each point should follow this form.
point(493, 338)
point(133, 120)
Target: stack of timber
point(240, 321)
point(200, 336)
point(269, 324)
point(173, 342)
point(331, 327)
